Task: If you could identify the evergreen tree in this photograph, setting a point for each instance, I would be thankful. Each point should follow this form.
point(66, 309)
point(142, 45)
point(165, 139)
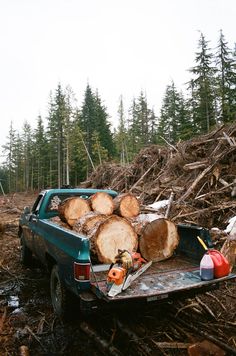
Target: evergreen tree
point(58, 126)
point(93, 123)
point(171, 121)
point(203, 85)
point(9, 163)
point(141, 123)
point(103, 127)
point(121, 137)
point(226, 77)
point(40, 152)
point(28, 162)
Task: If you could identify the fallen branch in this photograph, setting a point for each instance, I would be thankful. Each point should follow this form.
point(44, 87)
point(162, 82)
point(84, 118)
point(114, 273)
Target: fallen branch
point(215, 192)
point(206, 308)
point(169, 205)
point(186, 307)
point(215, 298)
point(145, 349)
point(210, 209)
point(169, 144)
point(204, 172)
point(141, 178)
point(101, 343)
point(36, 337)
point(171, 345)
point(2, 320)
point(223, 345)
point(230, 140)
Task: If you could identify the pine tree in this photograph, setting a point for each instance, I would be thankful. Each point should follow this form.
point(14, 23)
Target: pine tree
point(169, 126)
point(141, 127)
point(121, 137)
point(40, 155)
point(93, 122)
point(203, 85)
point(226, 76)
point(9, 163)
point(58, 133)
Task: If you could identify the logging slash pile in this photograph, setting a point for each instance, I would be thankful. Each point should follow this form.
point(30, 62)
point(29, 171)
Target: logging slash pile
point(113, 224)
point(200, 173)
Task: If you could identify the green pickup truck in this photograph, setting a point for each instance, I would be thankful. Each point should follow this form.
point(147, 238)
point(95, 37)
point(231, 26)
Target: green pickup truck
point(66, 255)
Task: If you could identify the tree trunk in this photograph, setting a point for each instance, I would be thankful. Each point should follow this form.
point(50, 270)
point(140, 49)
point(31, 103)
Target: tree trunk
point(102, 202)
point(126, 205)
point(158, 240)
point(71, 209)
point(110, 235)
point(88, 221)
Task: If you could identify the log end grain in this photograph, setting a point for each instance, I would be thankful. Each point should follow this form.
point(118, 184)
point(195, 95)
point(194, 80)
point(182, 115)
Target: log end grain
point(158, 240)
point(113, 234)
point(127, 205)
point(71, 209)
point(102, 202)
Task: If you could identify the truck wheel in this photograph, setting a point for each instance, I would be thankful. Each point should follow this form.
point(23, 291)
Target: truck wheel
point(25, 252)
point(60, 296)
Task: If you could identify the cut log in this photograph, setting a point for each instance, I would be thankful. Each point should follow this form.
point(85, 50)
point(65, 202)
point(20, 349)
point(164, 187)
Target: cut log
point(126, 205)
point(158, 240)
point(61, 223)
point(71, 209)
point(87, 222)
point(140, 221)
point(102, 202)
point(110, 235)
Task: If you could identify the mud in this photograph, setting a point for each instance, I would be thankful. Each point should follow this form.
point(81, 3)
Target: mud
point(28, 325)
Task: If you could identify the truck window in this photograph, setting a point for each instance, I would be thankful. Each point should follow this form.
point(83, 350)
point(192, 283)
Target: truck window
point(37, 204)
point(56, 199)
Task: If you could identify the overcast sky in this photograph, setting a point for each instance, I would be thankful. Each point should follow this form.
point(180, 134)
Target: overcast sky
point(119, 47)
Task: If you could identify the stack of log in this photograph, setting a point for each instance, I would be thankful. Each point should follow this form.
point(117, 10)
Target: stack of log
point(113, 224)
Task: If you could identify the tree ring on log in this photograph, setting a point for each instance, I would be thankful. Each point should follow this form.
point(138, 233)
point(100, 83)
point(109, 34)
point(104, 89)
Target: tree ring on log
point(158, 240)
point(110, 235)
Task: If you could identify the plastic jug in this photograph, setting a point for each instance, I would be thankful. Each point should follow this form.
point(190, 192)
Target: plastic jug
point(221, 264)
point(206, 267)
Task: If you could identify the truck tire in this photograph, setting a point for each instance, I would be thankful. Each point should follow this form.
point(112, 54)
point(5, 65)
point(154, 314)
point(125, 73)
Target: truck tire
point(25, 253)
point(62, 299)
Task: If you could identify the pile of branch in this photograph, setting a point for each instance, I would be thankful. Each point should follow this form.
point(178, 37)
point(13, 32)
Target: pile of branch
point(200, 172)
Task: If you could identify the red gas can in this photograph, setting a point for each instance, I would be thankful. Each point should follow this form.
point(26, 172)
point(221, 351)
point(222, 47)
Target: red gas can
point(221, 264)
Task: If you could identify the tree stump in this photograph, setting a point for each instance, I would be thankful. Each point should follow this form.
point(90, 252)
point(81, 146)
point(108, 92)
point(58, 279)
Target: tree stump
point(110, 235)
point(158, 240)
point(126, 205)
point(102, 202)
point(71, 209)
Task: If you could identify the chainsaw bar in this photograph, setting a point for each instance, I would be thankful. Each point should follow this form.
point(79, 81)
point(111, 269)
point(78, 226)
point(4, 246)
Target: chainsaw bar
point(116, 289)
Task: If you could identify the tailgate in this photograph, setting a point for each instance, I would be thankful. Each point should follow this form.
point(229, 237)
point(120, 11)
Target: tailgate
point(158, 282)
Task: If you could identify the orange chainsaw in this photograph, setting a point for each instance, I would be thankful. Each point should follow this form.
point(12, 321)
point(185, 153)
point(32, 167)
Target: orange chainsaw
point(127, 267)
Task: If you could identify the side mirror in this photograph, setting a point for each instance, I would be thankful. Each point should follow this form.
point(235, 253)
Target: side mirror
point(26, 210)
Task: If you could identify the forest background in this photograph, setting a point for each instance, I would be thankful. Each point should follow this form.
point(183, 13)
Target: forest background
point(71, 142)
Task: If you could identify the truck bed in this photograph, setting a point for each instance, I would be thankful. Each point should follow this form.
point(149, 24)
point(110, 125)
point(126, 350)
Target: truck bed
point(159, 281)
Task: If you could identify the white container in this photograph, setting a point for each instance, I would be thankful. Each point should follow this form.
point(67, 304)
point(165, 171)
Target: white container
point(206, 268)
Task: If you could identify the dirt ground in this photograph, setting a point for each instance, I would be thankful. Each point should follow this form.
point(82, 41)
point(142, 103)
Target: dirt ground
point(28, 325)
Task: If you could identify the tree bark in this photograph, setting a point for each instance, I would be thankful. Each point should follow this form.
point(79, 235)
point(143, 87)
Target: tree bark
point(87, 222)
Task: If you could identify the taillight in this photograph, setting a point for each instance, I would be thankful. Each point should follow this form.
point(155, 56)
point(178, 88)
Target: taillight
point(82, 271)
